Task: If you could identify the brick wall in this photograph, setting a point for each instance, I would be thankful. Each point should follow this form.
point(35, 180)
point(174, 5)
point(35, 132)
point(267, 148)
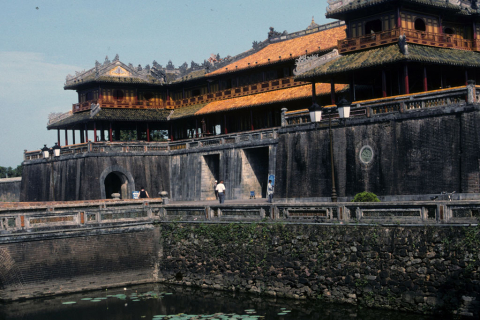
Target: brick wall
point(77, 261)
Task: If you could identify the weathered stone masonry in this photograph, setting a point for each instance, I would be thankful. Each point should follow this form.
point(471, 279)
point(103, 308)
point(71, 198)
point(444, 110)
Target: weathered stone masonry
point(43, 264)
point(421, 269)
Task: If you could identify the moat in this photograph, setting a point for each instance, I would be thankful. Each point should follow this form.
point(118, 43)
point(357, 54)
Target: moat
point(154, 301)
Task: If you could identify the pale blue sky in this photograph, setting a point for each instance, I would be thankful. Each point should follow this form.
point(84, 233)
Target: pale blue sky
point(39, 47)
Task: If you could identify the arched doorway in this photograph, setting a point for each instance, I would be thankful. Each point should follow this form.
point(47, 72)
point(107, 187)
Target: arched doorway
point(116, 179)
point(116, 182)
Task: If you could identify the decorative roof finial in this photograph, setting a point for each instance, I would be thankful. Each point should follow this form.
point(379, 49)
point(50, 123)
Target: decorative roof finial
point(312, 24)
point(106, 60)
point(117, 58)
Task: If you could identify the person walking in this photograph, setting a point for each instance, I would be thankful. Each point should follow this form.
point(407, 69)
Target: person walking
point(270, 191)
point(221, 191)
point(143, 193)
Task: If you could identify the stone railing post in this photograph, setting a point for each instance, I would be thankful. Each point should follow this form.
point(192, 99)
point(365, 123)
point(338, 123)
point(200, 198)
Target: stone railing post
point(283, 117)
point(471, 92)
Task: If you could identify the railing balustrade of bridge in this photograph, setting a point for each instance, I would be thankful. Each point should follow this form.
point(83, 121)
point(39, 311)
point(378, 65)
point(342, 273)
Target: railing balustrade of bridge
point(55, 216)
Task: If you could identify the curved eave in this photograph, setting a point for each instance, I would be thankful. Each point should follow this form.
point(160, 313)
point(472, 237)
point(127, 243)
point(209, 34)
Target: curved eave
point(88, 83)
point(113, 115)
point(343, 12)
point(382, 56)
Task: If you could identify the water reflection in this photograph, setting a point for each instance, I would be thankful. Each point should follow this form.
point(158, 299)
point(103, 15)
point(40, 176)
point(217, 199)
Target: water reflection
point(147, 301)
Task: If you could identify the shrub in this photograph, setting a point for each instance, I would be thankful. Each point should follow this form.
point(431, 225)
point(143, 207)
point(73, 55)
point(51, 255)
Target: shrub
point(365, 196)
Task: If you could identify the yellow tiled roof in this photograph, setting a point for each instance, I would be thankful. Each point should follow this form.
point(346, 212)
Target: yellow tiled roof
point(268, 98)
point(326, 39)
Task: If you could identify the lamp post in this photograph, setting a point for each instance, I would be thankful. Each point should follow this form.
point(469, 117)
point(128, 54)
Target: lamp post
point(46, 151)
point(56, 150)
point(343, 107)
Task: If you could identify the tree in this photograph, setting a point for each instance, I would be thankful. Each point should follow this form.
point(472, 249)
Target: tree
point(10, 173)
point(365, 196)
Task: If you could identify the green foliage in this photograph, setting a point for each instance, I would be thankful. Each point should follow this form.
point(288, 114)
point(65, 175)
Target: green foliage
point(365, 196)
point(10, 173)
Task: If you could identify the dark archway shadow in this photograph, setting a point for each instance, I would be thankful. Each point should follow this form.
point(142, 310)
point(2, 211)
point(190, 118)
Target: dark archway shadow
point(116, 179)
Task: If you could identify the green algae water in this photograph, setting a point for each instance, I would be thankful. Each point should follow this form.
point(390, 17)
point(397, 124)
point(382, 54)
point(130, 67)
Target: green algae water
point(155, 302)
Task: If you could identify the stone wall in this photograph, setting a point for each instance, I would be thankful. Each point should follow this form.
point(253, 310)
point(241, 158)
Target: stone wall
point(10, 189)
point(74, 261)
point(420, 269)
point(396, 156)
point(242, 169)
point(82, 178)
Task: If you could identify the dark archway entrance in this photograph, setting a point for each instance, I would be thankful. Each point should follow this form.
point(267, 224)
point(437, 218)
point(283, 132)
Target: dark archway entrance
point(116, 182)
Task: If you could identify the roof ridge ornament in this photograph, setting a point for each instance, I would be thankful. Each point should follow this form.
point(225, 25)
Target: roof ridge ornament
point(106, 61)
point(306, 63)
point(117, 58)
point(402, 44)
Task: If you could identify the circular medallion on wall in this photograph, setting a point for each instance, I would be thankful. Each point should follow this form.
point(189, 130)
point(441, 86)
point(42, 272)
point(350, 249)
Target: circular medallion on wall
point(366, 154)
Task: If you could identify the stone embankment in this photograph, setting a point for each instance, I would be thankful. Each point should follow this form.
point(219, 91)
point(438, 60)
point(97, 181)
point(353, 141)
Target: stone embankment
point(412, 268)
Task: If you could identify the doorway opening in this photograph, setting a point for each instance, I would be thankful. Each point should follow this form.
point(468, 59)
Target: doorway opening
point(210, 173)
point(116, 182)
point(255, 171)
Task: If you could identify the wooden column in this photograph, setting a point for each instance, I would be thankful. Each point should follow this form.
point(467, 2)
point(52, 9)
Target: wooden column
point(399, 19)
point(95, 132)
point(405, 76)
point(384, 84)
point(441, 77)
point(466, 77)
point(58, 137)
point(102, 133)
point(148, 133)
point(225, 123)
point(352, 89)
point(314, 94)
point(425, 86)
point(171, 132)
point(251, 119)
point(82, 136)
point(73, 136)
point(110, 132)
point(332, 91)
point(66, 137)
point(86, 133)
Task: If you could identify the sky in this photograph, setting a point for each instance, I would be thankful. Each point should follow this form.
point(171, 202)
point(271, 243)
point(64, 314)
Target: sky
point(43, 41)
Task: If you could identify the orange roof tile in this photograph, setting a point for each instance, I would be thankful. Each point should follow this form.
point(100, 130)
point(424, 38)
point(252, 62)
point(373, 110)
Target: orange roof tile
point(268, 98)
point(326, 39)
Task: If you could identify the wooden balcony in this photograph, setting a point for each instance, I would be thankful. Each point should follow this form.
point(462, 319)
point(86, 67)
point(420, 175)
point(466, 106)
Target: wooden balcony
point(209, 97)
point(413, 36)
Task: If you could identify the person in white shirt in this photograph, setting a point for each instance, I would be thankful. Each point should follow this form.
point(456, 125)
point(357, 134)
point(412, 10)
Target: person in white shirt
point(221, 191)
point(270, 191)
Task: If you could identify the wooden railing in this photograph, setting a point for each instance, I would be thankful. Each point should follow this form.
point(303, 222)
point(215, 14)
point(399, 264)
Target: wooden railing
point(209, 97)
point(413, 36)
